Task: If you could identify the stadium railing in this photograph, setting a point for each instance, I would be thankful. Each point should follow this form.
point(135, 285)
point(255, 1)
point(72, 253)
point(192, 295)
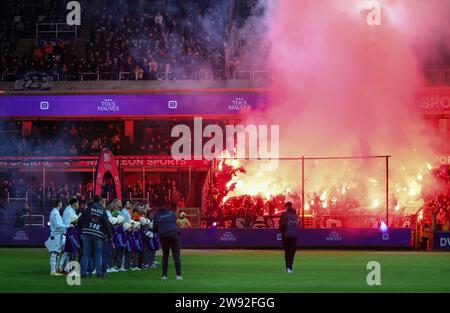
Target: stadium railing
point(55, 76)
point(8, 77)
point(165, 75)
point(96, 75)
point(204, 75)
point(219, 74)
point(438, 75)
point(8, 198)
point(40, 220)
point(130, 197)
point(446, 77)
point(200, 75)
point(261, 75)
point(242, 75)
point(109, 76)
point(122, 75)
point(55, 29)
point(252, 75)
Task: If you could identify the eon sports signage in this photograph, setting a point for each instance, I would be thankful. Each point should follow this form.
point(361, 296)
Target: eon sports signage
point(434, 100)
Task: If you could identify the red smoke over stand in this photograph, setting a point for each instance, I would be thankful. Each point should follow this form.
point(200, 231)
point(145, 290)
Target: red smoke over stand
point(343, 86)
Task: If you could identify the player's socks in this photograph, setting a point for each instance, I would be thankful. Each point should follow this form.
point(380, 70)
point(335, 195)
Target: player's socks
point(53, 257)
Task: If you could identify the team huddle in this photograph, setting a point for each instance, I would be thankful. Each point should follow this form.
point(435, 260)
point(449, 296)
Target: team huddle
point(100, 242)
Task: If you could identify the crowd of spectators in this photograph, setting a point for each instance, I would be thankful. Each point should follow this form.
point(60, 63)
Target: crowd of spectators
point(48, 57)
point(179, 40)
point(156, 192)
point(82, 139)
point(171, 44)
point(13, 187)
point(176, 44)
point(64, 140)
point(436, 210)
point(156, 145)
point(245, 211)
point(35, 192)
point(335, 208)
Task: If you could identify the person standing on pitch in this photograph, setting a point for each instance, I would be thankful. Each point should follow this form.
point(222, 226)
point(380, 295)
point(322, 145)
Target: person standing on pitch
point(67, 218)
point(55, 243)
point(165, 224)
point(96, 228)
point(288, 228)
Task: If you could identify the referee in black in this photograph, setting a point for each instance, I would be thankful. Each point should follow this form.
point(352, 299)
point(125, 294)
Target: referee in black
point(288, 228)
point(165, 224)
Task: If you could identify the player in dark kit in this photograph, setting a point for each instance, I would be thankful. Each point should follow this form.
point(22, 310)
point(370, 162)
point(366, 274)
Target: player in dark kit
point(165, 224)
point(288, 228)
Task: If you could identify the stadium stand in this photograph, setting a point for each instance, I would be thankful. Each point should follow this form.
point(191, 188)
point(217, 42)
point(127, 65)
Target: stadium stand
point(118, 40)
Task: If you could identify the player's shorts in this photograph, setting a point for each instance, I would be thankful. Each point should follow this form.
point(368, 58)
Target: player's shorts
point(55, 243)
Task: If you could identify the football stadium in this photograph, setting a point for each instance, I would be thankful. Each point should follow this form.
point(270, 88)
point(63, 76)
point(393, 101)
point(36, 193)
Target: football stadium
point(224, 146)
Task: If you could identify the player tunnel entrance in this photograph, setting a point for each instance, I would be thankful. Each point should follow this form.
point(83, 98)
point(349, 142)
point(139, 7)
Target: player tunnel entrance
point(107, 180)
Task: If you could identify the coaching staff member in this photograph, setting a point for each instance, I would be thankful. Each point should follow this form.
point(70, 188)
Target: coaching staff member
point(165, 224)
point(288, 228)
point(96, 228)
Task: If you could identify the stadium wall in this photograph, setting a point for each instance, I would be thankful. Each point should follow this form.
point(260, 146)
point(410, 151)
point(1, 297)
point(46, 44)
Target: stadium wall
point(204, 238)
point(441, 241)
point(161, 85)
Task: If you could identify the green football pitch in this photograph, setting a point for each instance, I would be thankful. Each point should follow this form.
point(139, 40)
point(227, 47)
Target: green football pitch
point(27, 270)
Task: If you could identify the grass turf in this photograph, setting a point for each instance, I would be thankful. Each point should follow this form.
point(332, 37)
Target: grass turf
point(27, 270)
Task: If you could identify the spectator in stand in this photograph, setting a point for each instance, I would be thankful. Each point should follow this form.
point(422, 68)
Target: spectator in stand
point(233, 67)
point(153, 69)
point(138, 72)
point(426, 232)
point(96, 144)
point(445, 223)
point(146, 68)
point(440, 219)
point(175, 196)
point(21, 215)
point(73, 150)
point(181, 203)
point(6, 190)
